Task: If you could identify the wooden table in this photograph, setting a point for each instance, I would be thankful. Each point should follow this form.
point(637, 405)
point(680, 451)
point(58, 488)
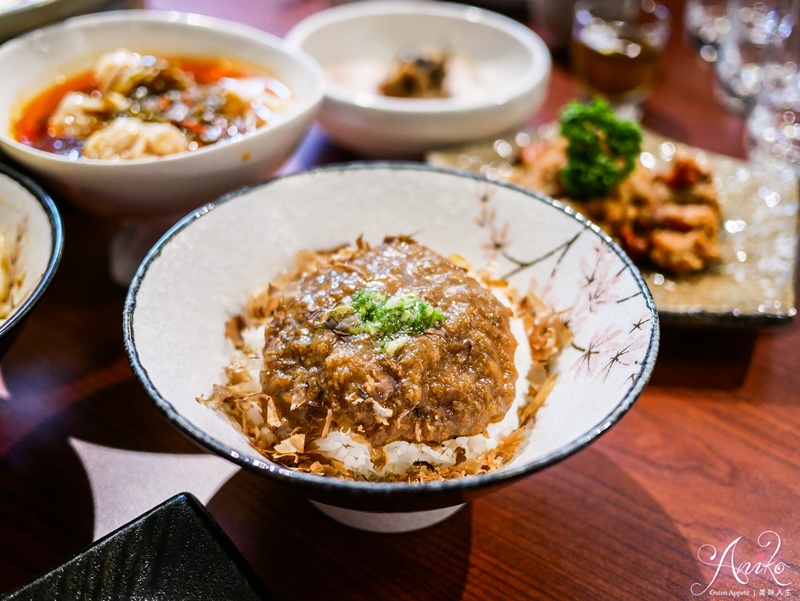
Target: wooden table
point(707, 455)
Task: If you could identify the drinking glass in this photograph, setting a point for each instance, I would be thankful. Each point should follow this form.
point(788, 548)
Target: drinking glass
point(773, 126)
point(554, 18)
point(616, 50)
point(706, 22)
point(747, 55)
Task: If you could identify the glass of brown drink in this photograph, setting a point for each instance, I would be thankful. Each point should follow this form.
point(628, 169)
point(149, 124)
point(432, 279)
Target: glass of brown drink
point(616, 50)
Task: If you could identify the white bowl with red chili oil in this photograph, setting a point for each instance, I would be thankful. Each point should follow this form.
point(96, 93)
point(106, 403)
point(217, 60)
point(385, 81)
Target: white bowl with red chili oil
point(44, 66)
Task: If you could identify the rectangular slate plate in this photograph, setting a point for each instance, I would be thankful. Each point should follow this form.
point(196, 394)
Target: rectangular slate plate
point(754, 284)
point(175, 551)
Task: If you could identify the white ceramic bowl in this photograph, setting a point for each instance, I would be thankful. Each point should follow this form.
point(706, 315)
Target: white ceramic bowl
point(27, 214)
point(171, 185)
point(509, 62)
point(17, 17)
point(202, 271)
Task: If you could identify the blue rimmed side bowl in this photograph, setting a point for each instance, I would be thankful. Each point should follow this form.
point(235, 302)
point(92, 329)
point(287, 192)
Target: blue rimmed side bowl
point(31, 227)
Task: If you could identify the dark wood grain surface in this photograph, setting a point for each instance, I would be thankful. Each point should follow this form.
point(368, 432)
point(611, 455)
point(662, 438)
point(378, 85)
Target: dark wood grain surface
point(708, 454)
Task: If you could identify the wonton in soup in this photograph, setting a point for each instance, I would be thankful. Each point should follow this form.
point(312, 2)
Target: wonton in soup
point(132, 106)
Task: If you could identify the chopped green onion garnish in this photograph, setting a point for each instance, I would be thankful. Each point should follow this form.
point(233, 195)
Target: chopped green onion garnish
point(389, 320)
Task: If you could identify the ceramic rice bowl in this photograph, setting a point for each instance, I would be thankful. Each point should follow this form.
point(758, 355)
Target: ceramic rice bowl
point(202, 271)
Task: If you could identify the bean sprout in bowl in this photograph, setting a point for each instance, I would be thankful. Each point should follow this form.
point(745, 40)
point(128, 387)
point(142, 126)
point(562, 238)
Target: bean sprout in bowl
point(433, 231)
point(112, 108)
point(404, 77)
point(31, 241)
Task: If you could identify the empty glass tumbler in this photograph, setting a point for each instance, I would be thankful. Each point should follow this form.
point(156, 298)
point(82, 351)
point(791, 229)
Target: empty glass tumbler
point(773, 125)
point(706, 22)
point(750, 53)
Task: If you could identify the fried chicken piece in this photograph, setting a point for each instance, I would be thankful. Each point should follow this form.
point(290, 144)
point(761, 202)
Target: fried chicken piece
point(670, 218)
point(683, 252)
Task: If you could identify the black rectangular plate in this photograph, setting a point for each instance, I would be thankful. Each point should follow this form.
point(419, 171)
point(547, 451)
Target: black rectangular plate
point(175, 551)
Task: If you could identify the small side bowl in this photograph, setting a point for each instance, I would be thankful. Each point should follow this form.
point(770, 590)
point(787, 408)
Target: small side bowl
point(202, 271)
point(167, 186)
point(511, 63)
point(26, 210)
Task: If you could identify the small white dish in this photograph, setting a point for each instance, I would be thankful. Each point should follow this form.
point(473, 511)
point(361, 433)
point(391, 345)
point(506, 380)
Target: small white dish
point(202, 271)
point(504, 67)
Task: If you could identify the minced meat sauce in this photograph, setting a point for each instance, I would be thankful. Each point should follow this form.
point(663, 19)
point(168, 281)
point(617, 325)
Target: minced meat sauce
point(448, 381)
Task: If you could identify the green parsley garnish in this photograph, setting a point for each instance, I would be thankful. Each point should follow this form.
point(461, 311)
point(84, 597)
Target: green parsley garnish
point(602, 148)
point(389, 320)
